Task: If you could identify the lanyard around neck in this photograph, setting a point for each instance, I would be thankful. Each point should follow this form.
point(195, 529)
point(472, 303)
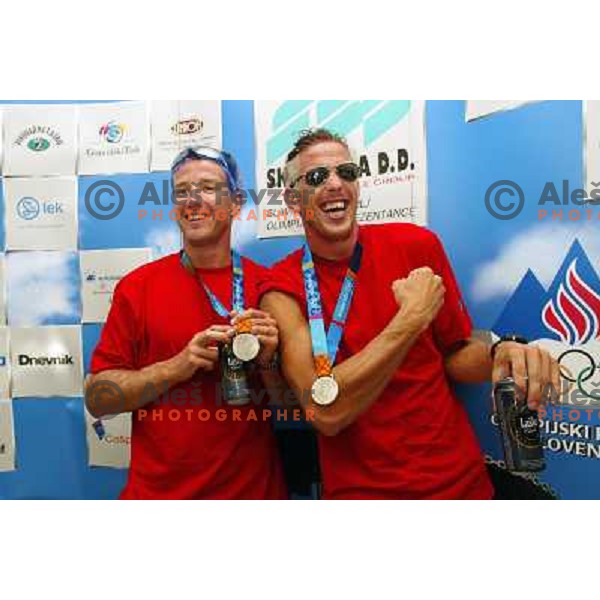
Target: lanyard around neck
point(237, 292)
point(325, 346)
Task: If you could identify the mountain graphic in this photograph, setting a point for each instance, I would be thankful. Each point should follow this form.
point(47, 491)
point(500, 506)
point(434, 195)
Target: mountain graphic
point(523, 311)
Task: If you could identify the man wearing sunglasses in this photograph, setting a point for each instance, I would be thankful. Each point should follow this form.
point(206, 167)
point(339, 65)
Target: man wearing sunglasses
point(158, 355)
point(373, 327)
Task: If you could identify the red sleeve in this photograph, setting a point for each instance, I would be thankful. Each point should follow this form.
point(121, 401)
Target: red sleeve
point(453, 323)
point(120, 335)
point(286, 277)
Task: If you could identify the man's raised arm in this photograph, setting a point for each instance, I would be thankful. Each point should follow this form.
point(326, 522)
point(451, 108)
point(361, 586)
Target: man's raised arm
point(362, 377)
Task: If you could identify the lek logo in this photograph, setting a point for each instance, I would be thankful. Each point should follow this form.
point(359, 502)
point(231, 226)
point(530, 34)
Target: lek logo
point(564, 320)
point(375, 117)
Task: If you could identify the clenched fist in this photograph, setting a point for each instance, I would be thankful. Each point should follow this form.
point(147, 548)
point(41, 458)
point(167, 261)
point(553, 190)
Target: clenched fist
point(420, 296)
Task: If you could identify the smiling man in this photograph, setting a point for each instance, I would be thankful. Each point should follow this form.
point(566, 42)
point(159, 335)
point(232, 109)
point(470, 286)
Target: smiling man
point(372, 323)
point(159, 350)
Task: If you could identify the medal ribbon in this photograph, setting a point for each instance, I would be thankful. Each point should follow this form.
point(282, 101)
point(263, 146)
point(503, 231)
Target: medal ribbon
point(325, 346)
point(237, 292)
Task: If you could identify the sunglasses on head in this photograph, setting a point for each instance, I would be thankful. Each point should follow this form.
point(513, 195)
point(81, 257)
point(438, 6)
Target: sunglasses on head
point(319, 175)
point(222, 158)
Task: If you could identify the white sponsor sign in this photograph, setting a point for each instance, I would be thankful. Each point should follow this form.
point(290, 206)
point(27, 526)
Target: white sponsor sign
point(46, 361)
point(592, 143)
point(475, 109)
point(1, 140)
point(101, 270)
point(7, 436)
point(387, 139)
point(178, 124)
point(114, 138)
point(41, 213)
point(4, 363)
point(40, 140)
point(2, 290)
point(109, 445)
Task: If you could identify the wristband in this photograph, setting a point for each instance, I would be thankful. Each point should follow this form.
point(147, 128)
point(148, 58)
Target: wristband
point(519, 339)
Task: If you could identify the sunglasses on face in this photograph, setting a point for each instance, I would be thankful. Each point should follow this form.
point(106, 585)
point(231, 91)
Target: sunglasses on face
point(319, 175)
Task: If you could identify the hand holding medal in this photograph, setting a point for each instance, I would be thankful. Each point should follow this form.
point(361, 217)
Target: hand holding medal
point(245, 344)
point(257, 335)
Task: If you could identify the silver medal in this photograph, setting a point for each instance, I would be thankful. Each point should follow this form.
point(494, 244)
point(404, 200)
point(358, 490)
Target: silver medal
point(246, 346)
point(325, 390)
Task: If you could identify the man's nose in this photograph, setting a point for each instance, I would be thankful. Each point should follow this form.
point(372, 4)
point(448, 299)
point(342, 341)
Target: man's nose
point(192, 201)
point(333, 181)
point(198, 197)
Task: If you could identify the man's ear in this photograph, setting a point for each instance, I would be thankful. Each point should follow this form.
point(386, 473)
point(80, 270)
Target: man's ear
point(292, 198)
point(291, 194)
point(238, 199)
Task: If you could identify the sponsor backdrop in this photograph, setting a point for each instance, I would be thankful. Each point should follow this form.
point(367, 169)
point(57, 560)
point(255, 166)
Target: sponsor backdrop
point(66, 167)
point(387, 138)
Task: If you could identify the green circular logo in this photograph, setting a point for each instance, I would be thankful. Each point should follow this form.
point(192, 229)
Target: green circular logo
point(38, 144)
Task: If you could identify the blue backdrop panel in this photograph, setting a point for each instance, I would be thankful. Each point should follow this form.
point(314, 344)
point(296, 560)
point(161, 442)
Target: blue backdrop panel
point(532, 145)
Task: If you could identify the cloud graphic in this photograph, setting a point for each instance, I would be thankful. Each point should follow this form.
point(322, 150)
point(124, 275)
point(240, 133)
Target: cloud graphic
point(43, 288)
point(542, 249)
point(244, 231)
point(163, 240)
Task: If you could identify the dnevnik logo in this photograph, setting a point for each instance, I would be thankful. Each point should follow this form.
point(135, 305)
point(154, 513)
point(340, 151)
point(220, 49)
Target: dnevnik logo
point(38, 138)
point(27, 360)
point(374, 117)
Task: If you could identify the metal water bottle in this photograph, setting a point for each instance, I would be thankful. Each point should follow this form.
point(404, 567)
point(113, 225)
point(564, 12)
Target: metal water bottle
point(234, 378)
point(519, 428)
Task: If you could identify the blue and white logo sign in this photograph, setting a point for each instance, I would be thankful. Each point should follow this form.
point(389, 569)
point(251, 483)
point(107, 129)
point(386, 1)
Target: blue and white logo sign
point(387, 141)
point(28, 208)
point(41, 213)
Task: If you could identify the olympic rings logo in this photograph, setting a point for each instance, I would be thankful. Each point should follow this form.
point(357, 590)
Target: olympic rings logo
point(582, 377)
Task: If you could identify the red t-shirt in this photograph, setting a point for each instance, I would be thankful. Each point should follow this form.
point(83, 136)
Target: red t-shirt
point(415, 440)
point(188, 443)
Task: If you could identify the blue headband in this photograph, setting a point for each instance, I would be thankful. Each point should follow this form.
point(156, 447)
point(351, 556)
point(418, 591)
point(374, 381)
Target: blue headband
point(222, 158)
